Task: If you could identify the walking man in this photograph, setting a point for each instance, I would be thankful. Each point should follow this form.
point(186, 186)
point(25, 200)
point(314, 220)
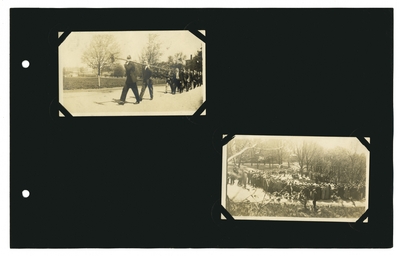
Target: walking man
point(314, 197)
point(168, 81)
point(195, 79)
point(188, 80)
point(182, 78)
point(175, 81)
point(200, 79)
point(147, 82)
point(131, 79)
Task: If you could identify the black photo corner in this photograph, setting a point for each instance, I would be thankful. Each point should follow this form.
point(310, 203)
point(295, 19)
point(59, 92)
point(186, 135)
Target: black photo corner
point(155, 181)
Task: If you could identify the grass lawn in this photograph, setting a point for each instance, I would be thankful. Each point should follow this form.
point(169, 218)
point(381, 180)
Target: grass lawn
point(292, 210)
point(72, 83)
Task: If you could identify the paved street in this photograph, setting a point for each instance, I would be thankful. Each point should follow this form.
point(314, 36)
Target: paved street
point(102, 102)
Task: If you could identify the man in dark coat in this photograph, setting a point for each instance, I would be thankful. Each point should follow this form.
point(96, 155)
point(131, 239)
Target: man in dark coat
point(186, 79)
point(200, 79)
point(303, 196)
point(195, 79)
point(169, 80)
point(182, 80)
point(147, 82)
point(176, 81)
point(189, 79)
point(314, 198)
point(341, 191)
point(244, 178)
point(131, 79)
point(319, 192)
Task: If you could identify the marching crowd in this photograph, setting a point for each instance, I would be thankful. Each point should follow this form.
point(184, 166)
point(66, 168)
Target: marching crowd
point(177, 80)
point(183, 80)
point(289, 186)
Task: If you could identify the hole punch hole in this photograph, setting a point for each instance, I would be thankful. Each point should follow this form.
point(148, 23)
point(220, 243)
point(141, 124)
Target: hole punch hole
point(25, 64)
point(25, 193)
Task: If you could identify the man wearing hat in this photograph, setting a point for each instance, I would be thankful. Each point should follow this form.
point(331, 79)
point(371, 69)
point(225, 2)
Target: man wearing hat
point(131, 79)
point(175, 81)
point(147, 82)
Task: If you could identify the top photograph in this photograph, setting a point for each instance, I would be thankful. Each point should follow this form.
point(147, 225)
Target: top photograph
point(132, 73)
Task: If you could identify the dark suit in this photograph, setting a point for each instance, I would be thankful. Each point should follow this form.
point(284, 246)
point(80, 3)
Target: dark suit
point(195, 79)
point(147, 82)
point(175, 82)
point(170, 81)
point(315, 198)
point(187, 80)
point(182, 81)
point(131, 79)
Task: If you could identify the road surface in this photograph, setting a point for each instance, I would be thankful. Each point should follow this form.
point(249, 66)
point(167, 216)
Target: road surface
point(102, 102)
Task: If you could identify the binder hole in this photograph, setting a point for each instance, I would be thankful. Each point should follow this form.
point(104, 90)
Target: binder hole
point(25, 64)
point(25, 193)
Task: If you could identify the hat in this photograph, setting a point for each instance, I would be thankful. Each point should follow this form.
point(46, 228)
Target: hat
point(129, 57)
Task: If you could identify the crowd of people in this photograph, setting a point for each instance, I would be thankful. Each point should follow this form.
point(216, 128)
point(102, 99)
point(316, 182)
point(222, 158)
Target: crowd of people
point(180, 80)
point(295, 185)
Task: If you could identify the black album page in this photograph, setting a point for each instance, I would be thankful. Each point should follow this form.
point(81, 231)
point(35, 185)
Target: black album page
point(201, 128)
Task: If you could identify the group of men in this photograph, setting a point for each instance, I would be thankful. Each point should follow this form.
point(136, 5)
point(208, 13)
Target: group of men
point(131, 81)
point(177, 80)
point(180, 80)
point(290, 184)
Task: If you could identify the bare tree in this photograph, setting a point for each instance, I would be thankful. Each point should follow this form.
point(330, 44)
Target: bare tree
point(311, 149)
point(287, 151)
point(305, 153)
point(170, 60)
point(357, 163)
point(239, 148)
point(97, 55)
point(300, 155)
point(152, 51)
point(179, 58)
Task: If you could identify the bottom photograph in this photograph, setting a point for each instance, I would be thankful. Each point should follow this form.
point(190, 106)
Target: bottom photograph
point(295, 178)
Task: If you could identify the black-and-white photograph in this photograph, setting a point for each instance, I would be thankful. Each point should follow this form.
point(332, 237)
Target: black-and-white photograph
point(132, 73)
point(295, 178)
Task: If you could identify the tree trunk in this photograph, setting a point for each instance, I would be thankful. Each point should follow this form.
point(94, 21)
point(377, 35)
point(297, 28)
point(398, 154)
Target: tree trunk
point(98, 74)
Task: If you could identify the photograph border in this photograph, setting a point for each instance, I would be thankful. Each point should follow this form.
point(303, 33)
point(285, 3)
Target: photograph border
point(63, 111)
point(224, 186)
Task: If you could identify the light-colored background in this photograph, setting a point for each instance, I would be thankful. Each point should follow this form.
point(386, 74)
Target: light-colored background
point(131, 43)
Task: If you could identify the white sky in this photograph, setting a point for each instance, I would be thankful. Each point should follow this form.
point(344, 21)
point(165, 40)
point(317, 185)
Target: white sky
point(130, 43)
point(350, 143)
